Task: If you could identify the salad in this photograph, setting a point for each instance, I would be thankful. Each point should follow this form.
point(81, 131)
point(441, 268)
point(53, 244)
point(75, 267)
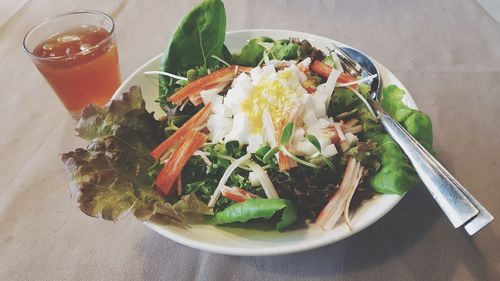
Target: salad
point(274, 132)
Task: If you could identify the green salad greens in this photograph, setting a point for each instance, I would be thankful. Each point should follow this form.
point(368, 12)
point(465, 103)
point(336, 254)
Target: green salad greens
point(273, 132)
point(255, 209)
point(109, 178)
point(200, 39)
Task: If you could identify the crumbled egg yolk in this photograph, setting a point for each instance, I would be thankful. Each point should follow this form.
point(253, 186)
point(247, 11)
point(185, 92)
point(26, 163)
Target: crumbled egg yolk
point(271, 94)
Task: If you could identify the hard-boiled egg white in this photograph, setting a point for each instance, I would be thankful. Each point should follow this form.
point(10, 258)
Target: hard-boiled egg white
point(280, 95)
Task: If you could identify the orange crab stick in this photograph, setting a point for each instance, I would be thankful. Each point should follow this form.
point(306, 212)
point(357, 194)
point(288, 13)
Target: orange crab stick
point(285, 163)
point(173, 168)
point(196, 121)
point(216, 78)
point(323, 70)
point(237, 194)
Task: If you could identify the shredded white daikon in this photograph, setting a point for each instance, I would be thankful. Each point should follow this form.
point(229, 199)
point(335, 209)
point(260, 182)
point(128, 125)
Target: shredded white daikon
point(264, 180)
point(154, 72)
point(353, 189)
point(365, 102)
point(339, 131)
point(355, 82)
point(346, 114)
point(265, 57)
point(225, 177)
point(183, 104)
point(330, 84)
point(291, 155)
point(221, 60)
point(204, 157)
point(335, 207)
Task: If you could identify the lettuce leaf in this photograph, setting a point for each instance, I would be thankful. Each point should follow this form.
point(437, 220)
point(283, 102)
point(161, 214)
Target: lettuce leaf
point(417, 123)
point(285, 50)
point(200, 35)
point(345, 100)
point(258, 209)
point(392, 102)
point(109, 178)
point(126, 110)
point(396, 175)
point(251, 54)
point(191, 204)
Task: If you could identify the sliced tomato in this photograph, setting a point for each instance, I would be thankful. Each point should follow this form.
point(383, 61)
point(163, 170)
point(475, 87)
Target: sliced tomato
point(174, 165)
point(196, 121)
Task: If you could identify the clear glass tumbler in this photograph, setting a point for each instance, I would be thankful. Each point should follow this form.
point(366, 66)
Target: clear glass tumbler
point(77, 54)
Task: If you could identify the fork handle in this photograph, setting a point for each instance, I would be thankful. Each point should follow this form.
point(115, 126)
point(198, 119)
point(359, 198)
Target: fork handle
point(445, 189)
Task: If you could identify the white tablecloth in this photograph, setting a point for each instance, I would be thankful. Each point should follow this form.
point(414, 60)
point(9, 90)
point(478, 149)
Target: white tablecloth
point(446, 52)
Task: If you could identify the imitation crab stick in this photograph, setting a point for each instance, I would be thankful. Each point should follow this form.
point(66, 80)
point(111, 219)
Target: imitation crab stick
point(340, 200)
point(220, 77)
point(323, 70)
point(173, 167)
point(197, 120)
point(237, 194)
point(179, 185)
point(285, 163)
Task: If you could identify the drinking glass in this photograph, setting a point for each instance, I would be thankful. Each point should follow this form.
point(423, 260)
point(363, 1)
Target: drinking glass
point(77, 54)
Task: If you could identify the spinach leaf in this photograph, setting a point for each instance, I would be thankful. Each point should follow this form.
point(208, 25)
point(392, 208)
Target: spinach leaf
point(199, 36)
point(257, 209)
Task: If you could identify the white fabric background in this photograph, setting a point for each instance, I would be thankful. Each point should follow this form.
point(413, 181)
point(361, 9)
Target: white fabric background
point(446, 52)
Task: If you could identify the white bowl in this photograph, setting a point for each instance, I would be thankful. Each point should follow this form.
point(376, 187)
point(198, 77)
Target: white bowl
point(262, 242)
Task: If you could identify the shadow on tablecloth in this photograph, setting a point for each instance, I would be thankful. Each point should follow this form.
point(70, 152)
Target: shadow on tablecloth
point(384, 243)
point(387, 250)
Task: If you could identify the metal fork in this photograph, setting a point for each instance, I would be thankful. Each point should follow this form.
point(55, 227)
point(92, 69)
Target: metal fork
point(456, 202)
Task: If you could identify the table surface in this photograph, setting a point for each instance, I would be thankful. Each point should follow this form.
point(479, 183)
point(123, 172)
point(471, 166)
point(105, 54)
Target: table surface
point(446, 53)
